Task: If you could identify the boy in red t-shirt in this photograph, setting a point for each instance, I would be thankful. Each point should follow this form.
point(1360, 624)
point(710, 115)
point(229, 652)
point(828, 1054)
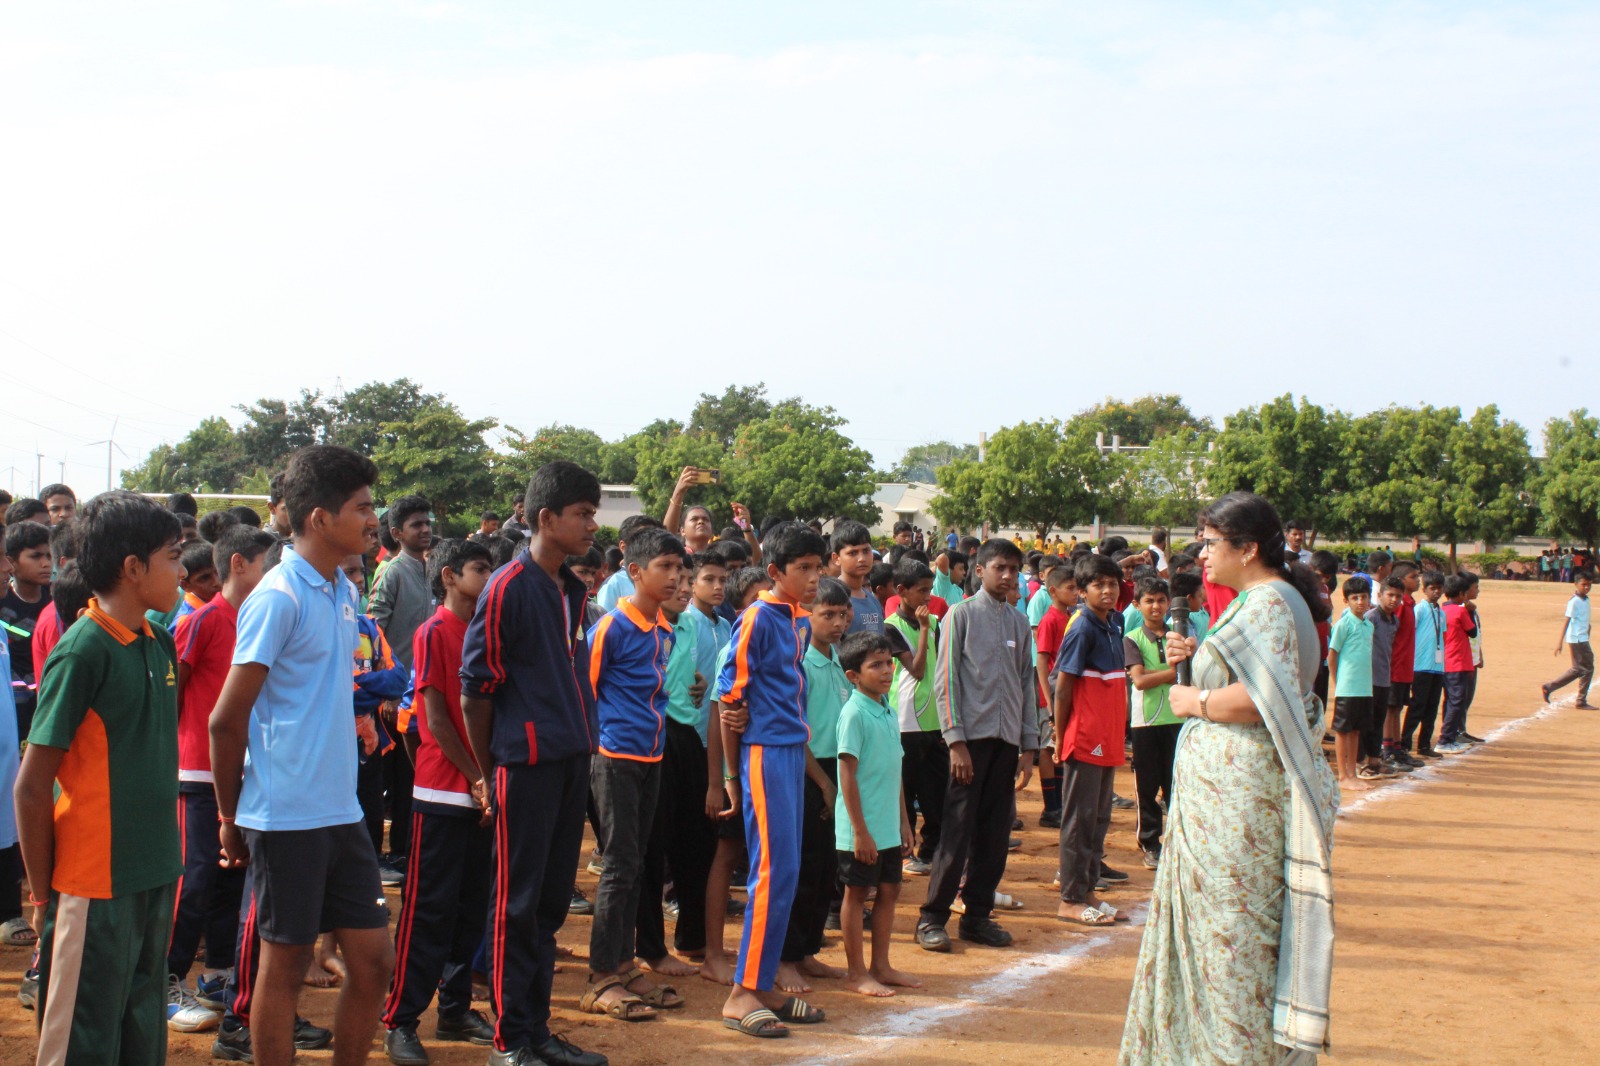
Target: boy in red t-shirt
point(1091, 721)
point(447, 880)
point(1460, 669)
point(208, 894)
point(1062, 588)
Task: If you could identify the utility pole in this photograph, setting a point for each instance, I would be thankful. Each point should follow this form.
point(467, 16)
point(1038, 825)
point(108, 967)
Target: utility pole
point(110, 443)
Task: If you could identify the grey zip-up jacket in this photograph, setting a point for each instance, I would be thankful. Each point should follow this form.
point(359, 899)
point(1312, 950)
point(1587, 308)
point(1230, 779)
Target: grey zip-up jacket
point(983, 681)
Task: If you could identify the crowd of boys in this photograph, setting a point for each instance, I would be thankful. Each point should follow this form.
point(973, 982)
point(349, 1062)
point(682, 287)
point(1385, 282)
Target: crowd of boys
point(231, 720)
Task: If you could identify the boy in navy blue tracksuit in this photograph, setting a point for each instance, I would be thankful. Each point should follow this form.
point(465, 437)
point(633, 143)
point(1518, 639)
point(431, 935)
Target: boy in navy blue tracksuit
point(530, 716)
point(763, 685)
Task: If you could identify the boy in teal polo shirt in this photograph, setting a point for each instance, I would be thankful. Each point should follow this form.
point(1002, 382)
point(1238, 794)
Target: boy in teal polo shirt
point(1350, 679)
point(827, 689)
point(1155, 727)
point(871, 829)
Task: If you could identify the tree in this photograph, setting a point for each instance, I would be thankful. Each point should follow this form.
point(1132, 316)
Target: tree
point(619, 460)
point(442, 455)
point(1283, 451)
point(1482, 494)
point(1569, 484)
point(922, 462)
point(661, 460)
point(796, 462)
point(159, 472)
point(358, 420)
point(1165, 481)
point(274, 429)
point(525, 453)
point(1145, 420)
point(1037, 475)
point(720, 417)
point(960, 499)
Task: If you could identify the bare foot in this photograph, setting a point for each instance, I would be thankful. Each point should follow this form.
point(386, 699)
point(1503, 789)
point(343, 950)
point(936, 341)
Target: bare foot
point(790, 980)
point(717, 969)
point(867, 985)
point(1354, 784)
point(812, 966)
point(671, 966)
point(326, 969)
point(891, 976)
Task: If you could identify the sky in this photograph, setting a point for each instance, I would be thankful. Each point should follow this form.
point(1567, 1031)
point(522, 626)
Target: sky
point(938, 218)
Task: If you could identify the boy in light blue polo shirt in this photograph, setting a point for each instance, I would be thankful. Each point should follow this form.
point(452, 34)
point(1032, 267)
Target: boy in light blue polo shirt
point(871, 829)
point(1350, 678)
point(1575, 637)
point(285, 767)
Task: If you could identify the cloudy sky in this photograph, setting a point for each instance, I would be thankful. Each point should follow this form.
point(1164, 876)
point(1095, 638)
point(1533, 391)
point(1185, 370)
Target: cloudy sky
point(937, 217)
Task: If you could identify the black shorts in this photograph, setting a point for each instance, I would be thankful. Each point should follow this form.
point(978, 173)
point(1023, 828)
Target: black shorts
point(1351, 714)
point(886, 871)
point(308, 881)
point(731, 828)
point(1399, 693)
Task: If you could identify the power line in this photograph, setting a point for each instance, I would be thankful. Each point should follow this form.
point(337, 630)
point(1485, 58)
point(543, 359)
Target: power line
point(78, 370)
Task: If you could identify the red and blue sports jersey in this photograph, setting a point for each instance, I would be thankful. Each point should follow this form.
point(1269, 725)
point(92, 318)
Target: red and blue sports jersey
point(526, 651)
point(628, 656)
point(765, 670)
point(204, 640)
point(436, 663)
point(1092, 653)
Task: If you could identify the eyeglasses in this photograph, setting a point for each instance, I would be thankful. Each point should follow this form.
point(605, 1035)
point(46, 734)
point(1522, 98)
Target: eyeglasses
point(1207, 543)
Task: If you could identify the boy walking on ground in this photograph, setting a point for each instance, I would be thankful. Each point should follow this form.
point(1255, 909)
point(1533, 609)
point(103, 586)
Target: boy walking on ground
point(1091, 714)
point(870, 812)
point(764, 683)
point(1350, 678)
point(106, 857)
point(528, 704)
point(285, 767)
point(984, 687)
point(1575, 638)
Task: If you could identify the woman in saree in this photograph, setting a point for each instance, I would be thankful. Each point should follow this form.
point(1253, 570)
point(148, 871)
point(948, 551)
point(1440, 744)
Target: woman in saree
point(1238, 948)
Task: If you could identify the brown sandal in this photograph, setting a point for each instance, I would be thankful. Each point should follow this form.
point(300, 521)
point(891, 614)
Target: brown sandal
point(662, 996)
point(630, 1008)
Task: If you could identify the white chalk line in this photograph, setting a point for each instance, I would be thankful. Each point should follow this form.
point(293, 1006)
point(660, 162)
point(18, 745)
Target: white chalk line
point(1030, 968)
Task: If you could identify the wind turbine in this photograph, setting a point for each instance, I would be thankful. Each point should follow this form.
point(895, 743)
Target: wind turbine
point(110, 442)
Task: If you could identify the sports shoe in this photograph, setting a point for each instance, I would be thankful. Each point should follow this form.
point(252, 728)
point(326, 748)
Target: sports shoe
point(184, 1012)
point(1371, 773)
point(1429, 753)
point(1115, 877)
point(1455, 747)
point(597, 863)
point(1121, 803)
point(211, 991)
point(932, 938)
point(233, 1044)
point(1016, 825)
point(389, 873)
point(1013, 843)
point(1470, 739)
point(1050, 820)
point(915, 867)
point(1152, 859)
point(403, 1047)
point(470, 1026)
point(986, 931)
point(669, 910)
point(558, 1052)
point(580, 904)
point(28, 989)
point(1395, 765)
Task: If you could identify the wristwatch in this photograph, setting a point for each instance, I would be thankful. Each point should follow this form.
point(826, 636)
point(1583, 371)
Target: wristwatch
point(1205, 697)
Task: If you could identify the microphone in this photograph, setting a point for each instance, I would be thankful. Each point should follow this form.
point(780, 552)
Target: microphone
point(1180, 625)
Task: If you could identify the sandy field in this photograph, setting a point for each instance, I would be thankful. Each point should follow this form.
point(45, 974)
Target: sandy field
point(1465, 933)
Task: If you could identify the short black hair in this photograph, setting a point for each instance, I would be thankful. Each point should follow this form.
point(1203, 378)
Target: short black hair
point(1057, 576)
point(1396, 583)
point(518, 498)
point(1112, 545)
point(634, 523)
point(1377, 559)
point(239, 540)
point(613, 558)
point(325, 476)
point(25, 536)
point(700, 560)
point(403, 508)
point(489, 516)
point(733, 553)
point(880, 575)
point(593, 558)
point(857, 648)
point(557, 485)
point(187, 520)
point(998, 548)
point(730, 533)
point(1151, 584)
point(456, 553)
point(972, 544)
point(789, 541)
point(197, 558)
point(215, 524)
point(1356, 586)
point(1092, 567)
point(70, 593)
point(1432, 579)
point(1403, 567)
point(57, 489)
point(62, 544)
point(849, 535)
point(1325, 563)
point(1583, 575)
point(386, 538)
point(907, 572)
point(1295, 523)
point(740, 582)
point(1456, 584)
point(247, 516)
point(831, 592)
point(275, 489)
point(903, 527)
point(24, 510)
point(183, 503)
point(115, 525)
point(649, 544)
point(955, 559)
point(1185, 585)
point(502, 549)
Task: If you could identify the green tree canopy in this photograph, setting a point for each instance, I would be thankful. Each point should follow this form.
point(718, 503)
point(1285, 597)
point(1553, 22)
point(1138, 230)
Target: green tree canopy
point(720, 417)
point(1569, 484)
point(1166, 480)
point(1037, 475)
point(1146, 419)
point(921, 462)
point(1284, 451)
point(442, 455)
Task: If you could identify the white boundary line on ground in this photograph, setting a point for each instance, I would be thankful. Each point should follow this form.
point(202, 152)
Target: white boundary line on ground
point(1024, 971)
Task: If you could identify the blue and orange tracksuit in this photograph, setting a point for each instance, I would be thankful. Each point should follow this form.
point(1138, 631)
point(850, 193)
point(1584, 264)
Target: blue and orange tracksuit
point(764, 672)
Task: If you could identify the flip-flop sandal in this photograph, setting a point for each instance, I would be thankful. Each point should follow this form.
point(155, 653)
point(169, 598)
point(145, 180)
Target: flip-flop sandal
point(1092, 916)
point(1116, 915)
point(662, 996)
point(630, 1008)
point(17, 933)
point(761, 1023)
point(797, 1011)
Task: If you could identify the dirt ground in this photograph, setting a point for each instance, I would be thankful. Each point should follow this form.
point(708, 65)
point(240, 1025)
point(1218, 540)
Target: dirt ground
point(1465, 933)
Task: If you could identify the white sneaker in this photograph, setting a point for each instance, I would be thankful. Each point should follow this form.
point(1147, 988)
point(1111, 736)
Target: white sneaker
point(184, 1012)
